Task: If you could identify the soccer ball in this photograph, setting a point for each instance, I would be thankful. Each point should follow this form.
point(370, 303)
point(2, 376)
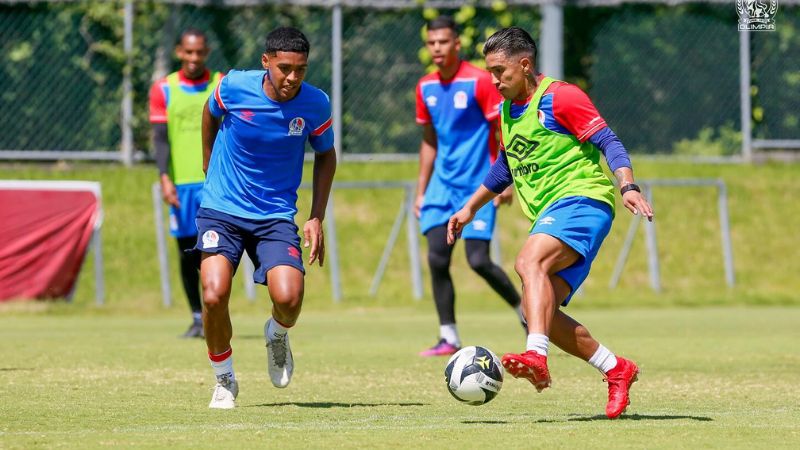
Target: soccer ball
point(474, 375)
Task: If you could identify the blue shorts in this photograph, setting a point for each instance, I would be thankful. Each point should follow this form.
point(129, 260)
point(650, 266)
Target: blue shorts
point(441, 202)
point(181, 220)
point(268, 242)
point(582, 223)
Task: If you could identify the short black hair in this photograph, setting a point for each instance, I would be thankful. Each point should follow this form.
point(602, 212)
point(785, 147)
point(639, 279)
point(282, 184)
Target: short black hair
point(286, 39)
point(511, 41)
point(442, 22)
point(191, 31)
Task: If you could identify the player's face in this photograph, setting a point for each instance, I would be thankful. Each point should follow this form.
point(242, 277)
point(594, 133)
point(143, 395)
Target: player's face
point(443, 45)
point(287, 70)
point(192, 51)
point(509, 74)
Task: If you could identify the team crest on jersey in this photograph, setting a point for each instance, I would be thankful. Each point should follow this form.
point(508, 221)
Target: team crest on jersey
point(460, 100)
point(210, 239)
point(431, 101)
point(296, 126)
point(480, 225)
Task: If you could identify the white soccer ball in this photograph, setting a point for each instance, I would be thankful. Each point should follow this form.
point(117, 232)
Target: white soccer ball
point(474, 375)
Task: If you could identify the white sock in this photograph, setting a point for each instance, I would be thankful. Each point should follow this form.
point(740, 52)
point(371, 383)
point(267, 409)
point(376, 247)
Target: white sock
point(603, 360)
point(275, 329)
point(538, 343)
point(197, 317)
point(223, 367)
point(449, 333)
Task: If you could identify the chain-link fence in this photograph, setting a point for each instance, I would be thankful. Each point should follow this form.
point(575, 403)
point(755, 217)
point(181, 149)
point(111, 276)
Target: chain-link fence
point(665, 77)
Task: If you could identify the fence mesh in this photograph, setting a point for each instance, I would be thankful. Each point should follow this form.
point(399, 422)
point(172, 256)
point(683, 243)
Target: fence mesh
point(665, 77)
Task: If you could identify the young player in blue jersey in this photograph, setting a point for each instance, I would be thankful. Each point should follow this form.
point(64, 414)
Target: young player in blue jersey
point(457, 107)
point(176, 102)
point(255, 127)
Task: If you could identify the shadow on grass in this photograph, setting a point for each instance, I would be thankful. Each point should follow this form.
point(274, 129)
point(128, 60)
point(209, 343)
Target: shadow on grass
point(577, 418)
point(332, 404)
point(484, 422)
point(16, 369)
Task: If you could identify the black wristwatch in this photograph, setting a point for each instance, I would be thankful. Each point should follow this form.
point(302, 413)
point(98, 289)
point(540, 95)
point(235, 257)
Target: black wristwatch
point(629, 187)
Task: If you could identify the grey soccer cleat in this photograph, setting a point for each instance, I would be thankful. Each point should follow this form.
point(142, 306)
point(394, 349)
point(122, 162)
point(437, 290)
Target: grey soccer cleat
point(280, 363)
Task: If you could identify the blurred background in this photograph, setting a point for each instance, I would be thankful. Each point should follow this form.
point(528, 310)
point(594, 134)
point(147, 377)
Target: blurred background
point(671, 77)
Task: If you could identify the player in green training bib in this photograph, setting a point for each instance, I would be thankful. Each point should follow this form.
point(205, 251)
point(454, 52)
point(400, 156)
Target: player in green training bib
point(176, 109)
point(552, 137)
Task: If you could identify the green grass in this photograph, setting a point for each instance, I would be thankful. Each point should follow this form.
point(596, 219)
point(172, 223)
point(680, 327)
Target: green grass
point(712, 378)
point(763, 222)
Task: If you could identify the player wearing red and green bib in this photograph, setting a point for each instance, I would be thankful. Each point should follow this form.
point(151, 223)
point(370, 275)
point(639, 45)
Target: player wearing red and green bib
point(553, 137)
point(176, 107)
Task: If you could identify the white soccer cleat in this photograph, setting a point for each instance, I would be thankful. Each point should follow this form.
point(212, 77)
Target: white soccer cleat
point(225, 393)
point(280, 363)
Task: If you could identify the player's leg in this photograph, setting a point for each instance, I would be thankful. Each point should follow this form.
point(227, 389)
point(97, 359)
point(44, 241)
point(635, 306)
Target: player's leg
point(276, 247)
point(221, 243)
point(439, 257)
point(540, 257)
point(183, 227)
point(216, 272)
point(481, 262)
point(190, 278)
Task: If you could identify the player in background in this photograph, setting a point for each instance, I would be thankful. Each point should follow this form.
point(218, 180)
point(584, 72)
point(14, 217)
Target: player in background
point(457, 109)
point(176, 107)
point(255, 127)
point(553, 136)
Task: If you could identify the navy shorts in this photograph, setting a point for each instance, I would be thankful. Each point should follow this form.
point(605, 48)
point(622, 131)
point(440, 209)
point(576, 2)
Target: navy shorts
point(268, 242)
point(583, 224)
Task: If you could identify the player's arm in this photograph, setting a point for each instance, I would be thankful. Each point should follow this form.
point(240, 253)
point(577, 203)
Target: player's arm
point(324, 169)
point(210, 128)
point(427, 155)
point(160, 142)
point(497, 181)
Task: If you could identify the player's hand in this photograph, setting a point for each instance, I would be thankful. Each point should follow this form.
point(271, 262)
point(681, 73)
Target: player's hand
point(169, 192)
point(636, 203)
point(418, 205)
point(457, 223)
point(505, 197)
point(312, 231)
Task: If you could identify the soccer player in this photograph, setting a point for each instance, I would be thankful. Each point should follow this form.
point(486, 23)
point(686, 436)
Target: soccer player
point(255, 127)
point(553, 137)
point(457, 108)
point(176, 106)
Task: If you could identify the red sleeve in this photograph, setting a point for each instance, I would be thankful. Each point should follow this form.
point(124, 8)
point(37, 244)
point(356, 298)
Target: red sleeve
point(488, 97)
point(574, 110)
point(158, 104)
point(423, 115)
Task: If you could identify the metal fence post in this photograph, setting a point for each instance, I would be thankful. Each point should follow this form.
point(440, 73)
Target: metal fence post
point(725, 231)
point(336, 77)
point(99, 281)
point(332, 250)
point(652, 246)
point(552, 39)
point(413, 243)
point(161, 246)
point(744, 92)
point(126, 146)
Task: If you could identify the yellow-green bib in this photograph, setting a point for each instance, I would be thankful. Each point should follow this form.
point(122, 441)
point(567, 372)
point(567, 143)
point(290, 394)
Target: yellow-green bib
point(184, 118)
point(547, 166)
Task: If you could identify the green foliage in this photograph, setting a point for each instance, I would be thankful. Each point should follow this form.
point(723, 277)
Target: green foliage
point(125, 381)
point(725, 141)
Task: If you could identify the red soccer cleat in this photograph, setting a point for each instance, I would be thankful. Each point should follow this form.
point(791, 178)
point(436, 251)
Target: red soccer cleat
point(620, 379)
point(530, 366)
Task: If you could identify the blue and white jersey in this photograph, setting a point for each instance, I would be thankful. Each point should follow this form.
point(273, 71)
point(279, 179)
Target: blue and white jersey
point(257, 161)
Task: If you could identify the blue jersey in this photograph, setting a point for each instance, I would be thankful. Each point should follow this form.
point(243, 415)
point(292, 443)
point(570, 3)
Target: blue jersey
point(257, 160)
point(460, 110)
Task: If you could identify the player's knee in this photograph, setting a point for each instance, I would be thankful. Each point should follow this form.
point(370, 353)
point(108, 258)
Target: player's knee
point(439, 261)
point(480, 262)
point(289, 297)
point(214, 297)
point(529, 268)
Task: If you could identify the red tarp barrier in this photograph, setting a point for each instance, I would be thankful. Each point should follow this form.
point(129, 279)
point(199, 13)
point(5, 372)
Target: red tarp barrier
point(44, 235)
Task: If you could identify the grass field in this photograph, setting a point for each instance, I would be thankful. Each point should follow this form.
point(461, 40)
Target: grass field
point(712, 378)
